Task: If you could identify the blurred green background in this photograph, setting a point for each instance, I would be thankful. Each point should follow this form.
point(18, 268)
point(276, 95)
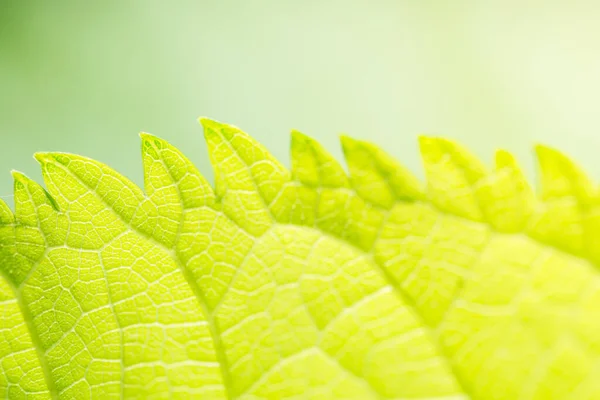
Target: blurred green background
point(86, 77)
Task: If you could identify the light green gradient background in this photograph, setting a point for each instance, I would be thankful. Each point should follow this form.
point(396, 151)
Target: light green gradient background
point(86, 77)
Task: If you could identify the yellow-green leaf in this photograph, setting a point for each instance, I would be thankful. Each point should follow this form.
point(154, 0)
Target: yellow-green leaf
point(307, 283)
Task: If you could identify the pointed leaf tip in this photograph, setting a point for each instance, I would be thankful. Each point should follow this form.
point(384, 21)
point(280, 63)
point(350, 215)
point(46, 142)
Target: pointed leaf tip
point(433, 148)
point(426, 141)
point(298, 137)
point(347, 141)
point(301, 140)
point(377, 176)
point(551, 159)
point(61, 158)
point(205, 120)
point(214, 125)
point(17, 174)
point(247, 176)
point(348, 145)
point(27, 188)
point(313, 165)
point(20, 180)
point(546, 153)
point(41, 157)
point(452, 173)
point(151, 143)
point(560, 176)
point(505, 196)
point(166, 169)
point(146, 136)
point(504, 158)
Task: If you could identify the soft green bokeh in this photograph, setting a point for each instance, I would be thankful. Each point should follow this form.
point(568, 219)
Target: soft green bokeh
point(86, 77)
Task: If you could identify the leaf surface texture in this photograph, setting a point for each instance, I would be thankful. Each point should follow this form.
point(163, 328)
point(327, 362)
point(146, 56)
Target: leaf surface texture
point(307, 283)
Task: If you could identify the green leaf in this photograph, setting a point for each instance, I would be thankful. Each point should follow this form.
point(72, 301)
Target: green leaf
point(306, 283)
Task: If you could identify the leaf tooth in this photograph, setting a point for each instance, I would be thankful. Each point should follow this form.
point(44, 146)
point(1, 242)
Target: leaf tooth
point(376, 176)
point(69, 176)
point(471, 167)
point(7, 242)
point(505, 159)
point(37, 226)
point(452, 175)
point(98, 199)
point(240, 161)
point(505, 162)
point(30, 197)
point(168, 169)
point(570, 212)
point(506, 196)
point(248, 179)
point(313, 165)
point(560, 177)
point(6, 215)
point(509, 176)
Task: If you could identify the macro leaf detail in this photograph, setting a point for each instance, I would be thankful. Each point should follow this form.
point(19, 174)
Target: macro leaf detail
point(307, 283)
